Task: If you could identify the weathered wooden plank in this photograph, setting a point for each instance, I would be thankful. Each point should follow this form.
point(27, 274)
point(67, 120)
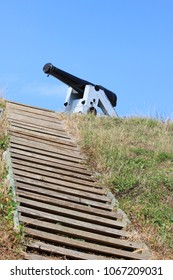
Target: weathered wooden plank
point(49, 183)
point(62, 169)
point(74, 223)
point(14, 116)
point(50, 153)
point(72, 254)
point(70, 213)
point(57, 179)
point(45, 133)
point(20, 106)
point(49, 158)
point(45, 147)
point(39, 135)
point(70, 205)
point(62, 180)
point(77, 244)
point(31, 109)
point(63, 196)
point(60, 130)
point(59, 172)
point(45, 141)
point(81, 234)
point(36, 115)
point(32, 141)
point(35, 128)
point(59, 143)
point(29, 120)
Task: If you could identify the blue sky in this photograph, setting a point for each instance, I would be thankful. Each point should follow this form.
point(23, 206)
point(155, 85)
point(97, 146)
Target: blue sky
point(123, 45)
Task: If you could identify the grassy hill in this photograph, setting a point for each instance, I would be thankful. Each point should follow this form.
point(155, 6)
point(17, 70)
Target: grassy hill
point(134, 158)
point(131, 156)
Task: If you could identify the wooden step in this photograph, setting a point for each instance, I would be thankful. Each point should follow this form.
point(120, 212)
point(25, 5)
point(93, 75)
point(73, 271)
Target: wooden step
point(55, 194)
point(56, 178)
point(44, 182)
point(79, 173)
point(46, 147)
point(48, 161)
point(81, 234)
point(57, 210)
point(70, 205)
point(74, 223)
point(87, 246)
point(61, 251)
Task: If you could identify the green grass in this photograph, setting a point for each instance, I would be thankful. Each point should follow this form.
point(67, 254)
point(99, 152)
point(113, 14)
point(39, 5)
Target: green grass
point(134, 157)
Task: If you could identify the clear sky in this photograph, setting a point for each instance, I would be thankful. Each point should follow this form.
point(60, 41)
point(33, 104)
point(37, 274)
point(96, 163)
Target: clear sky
point(123, 45)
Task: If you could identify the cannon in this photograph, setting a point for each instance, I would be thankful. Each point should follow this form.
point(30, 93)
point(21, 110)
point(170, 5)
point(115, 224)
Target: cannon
point(83, 96)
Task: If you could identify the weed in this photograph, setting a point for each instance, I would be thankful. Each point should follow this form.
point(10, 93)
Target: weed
point(4, 142)
point(10, 240)
point(163, 156)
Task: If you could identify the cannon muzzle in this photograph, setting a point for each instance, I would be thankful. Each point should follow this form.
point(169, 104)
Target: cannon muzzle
point(76, 83)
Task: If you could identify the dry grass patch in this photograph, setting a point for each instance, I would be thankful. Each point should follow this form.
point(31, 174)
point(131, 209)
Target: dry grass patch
point(10, 240)
point(134, 157)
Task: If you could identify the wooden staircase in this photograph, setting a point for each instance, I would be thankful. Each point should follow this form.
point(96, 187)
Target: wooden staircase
point(65, 212)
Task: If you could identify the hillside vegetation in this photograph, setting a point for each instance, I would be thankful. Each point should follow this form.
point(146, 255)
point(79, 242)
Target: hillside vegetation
point(134, 158)
point(10, 239)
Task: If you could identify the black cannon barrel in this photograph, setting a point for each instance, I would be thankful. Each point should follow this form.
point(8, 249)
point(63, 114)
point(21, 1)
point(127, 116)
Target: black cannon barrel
point(76, 83)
